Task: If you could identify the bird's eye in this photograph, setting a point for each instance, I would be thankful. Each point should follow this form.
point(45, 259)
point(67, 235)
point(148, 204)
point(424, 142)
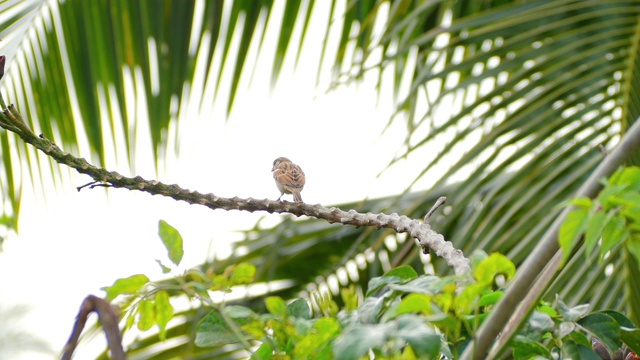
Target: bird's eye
point(274, 162)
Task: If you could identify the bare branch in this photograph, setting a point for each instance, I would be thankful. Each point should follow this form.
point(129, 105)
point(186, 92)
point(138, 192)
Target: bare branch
point(426, 237)
point(108, 318)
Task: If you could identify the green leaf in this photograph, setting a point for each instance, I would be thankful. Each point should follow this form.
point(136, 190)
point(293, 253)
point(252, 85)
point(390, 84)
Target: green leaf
point(165, 270)
point(571, 313)
point(495, 264)
point(172, 241)
point(243, 274)
point(570, 231)
point(415, 303)
point(316, 341)
point(614, 233)
point(164, 312)
point(214, 331)
point(356, 340)
point(425, 284)
point(629, 176)
point(147, 314)
point(299, 308)
point(604, 327)
point(573, 350)
point(276, 306)
point(582, 202)
point(379, 282)
point(403, 272)
point(126, 286)
point(423, 339)
point(490, 298)
point(525, 348)
point(594, 232)
point(631, 338)
point(264, 352)
point(633, 246)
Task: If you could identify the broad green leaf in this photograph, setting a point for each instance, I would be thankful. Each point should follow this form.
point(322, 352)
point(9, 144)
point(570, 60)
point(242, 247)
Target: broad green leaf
point(594, 232)
point(423, 339)
point(629, 176)
point(379, 282)
point(172, 241)
point(631, 338)
point(490, 299)
point(147, 315)
point(370, 309)
point(403, 272)
point(214, 331)
point(276, 306)
point(604, 327)
point(425, 284)
point(571, 313)
point(125, 286)
point(582, 202)
point(570, 231)
point(525, 348)
point(264, 352)
point(356, 340)
point(164, 312)
point(309, 347)
point(243, 274)
point(613, 233)
point(495, 264)
point(573, 350)
point(299, 308)
point(415, 303)
point(633, 246)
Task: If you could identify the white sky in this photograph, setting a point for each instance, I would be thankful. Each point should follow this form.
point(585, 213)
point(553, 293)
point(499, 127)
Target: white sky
point(73, 243)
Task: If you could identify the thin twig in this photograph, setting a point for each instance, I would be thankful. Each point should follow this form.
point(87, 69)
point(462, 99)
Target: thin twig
point(441, 200)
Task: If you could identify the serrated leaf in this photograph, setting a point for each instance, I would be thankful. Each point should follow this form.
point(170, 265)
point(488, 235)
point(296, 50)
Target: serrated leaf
point(171, 240)
point(164, 312)
point(125, 286)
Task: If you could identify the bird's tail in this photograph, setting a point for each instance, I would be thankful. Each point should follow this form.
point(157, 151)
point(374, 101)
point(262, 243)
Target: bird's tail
point(296, 196)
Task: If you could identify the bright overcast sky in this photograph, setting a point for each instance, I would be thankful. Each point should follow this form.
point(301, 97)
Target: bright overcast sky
point(73, 243)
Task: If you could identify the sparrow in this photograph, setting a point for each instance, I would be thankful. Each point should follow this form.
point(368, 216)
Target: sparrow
point(289, 178)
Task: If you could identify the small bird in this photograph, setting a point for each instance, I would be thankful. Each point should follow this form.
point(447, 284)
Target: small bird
point(289, 178)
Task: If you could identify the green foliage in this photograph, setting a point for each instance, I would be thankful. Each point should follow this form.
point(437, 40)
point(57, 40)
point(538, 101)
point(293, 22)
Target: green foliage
point(172, 241)
point(612, 218)
point(401, 315)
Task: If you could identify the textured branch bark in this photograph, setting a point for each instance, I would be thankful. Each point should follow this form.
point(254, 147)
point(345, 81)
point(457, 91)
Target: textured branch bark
point(427, 238)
